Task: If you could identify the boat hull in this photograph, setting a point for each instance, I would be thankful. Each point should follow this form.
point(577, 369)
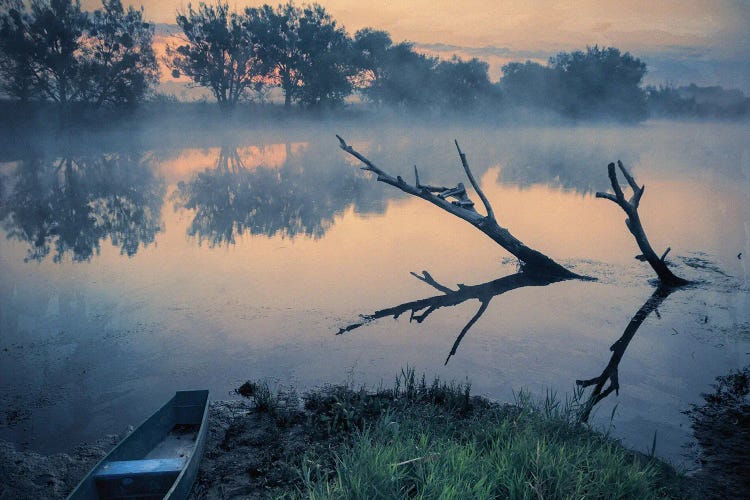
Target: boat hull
point(159, 459)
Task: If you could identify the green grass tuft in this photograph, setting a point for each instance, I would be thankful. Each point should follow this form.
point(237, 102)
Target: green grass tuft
point(436, 441)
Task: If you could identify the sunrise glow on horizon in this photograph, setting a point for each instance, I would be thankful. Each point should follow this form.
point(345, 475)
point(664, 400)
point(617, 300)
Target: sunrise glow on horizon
point(706, 42)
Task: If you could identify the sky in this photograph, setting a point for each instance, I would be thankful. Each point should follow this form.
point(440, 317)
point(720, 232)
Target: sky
point(705, 41)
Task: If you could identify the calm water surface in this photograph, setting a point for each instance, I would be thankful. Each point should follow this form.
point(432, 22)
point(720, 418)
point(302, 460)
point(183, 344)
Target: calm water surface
point(128, 273)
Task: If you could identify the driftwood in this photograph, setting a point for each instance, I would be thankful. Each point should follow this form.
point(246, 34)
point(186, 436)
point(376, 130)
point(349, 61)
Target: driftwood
point(633, 222)
point(610, 372)
point(419, 310)
point(534, 262)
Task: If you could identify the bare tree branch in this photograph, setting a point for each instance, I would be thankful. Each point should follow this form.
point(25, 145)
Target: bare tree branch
point(664, 255)
point(474, 183)
point(633, 222)
point(535, 262)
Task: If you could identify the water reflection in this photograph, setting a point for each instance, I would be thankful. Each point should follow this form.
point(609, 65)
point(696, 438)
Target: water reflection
point(293, 199)
point(566, 167)
point(610, 372)
point(420, 309)
point(64, 356)
point(721, 426)
point(73, 203)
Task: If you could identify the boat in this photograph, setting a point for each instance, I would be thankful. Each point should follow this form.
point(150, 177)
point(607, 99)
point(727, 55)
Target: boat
point(159, 459)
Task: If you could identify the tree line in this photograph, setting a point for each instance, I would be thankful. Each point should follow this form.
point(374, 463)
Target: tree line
point(51, 50)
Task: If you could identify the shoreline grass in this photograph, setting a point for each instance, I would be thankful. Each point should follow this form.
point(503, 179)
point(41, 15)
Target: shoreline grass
point(436, 440)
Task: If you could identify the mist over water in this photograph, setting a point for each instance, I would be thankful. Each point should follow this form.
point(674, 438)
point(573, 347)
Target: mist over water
point(204, 257)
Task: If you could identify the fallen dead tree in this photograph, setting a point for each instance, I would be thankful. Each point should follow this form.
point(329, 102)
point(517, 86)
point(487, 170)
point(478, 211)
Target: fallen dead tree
point(533, 261)
point(633, 222)
point(419, 310)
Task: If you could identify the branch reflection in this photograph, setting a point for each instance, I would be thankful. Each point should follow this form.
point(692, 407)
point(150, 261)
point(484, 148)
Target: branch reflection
point(610, 372)
point(419, 310)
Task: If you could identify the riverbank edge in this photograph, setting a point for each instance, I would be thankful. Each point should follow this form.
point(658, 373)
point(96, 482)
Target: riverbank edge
point(278, 444)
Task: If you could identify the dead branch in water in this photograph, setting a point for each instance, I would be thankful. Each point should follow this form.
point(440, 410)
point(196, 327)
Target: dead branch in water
point(633, 222)
point(462, 207)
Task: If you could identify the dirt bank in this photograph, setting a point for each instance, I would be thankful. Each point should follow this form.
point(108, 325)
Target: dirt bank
point(245, 455)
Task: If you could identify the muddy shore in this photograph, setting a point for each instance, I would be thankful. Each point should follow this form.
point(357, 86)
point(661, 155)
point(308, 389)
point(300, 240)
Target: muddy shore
point(30, 475)
point(254, 451)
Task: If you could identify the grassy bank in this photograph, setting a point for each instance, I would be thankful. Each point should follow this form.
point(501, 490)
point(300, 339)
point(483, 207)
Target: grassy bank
point(419, 439)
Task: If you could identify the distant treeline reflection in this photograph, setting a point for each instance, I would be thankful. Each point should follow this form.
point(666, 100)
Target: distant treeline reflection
point(558, 166)
point(301, 197)
point(69, 205)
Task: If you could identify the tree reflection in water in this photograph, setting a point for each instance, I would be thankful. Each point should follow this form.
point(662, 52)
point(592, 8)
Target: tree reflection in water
point(568, 167)
point(302, 197)
point(420, 309)
point(75, 202)
point(610, 372)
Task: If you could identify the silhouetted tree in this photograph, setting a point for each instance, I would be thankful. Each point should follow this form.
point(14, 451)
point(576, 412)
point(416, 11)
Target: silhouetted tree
point(275, 33)
point(666, 100)
point(16, 51)
point(119, 61)
point(55, 51)
point(326, 63)
point(304, 51)
point(529, 84)
point(692, 100)
point(371, 48)
point(220, 53)
point(400, 76)
point(56, 28)
point(601, 81)
point(598, 82)
point(464, 85)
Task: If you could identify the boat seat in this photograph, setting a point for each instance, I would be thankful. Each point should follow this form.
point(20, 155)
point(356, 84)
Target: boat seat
point(111, 470)
point(148, 478)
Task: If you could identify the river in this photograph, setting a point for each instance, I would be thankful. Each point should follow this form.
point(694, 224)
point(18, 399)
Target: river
point(131, 271)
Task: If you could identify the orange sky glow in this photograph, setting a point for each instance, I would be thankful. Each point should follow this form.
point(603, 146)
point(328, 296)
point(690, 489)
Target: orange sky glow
point(634, 25)
point(707, 41)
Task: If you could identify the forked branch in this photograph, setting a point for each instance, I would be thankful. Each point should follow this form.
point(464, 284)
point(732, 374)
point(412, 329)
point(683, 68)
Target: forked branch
point(633, 222)
point(462, 207)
